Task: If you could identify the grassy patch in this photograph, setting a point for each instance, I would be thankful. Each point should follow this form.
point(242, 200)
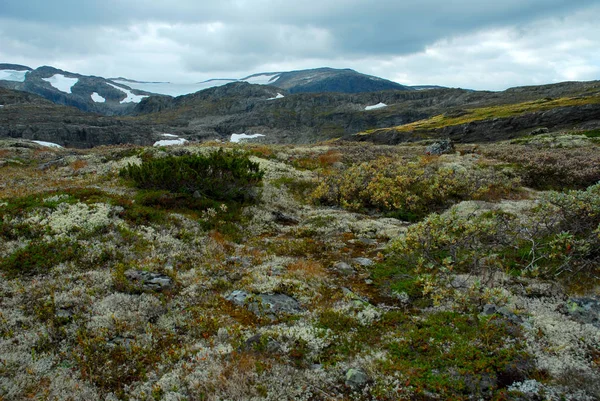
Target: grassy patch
point(39, 257)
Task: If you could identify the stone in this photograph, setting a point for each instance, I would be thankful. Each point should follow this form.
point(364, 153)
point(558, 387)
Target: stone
point(364, 262)
point(344, 269)
point(356, 378)
point(539, 131)
point(149, 281)
point(285, 219)
point(265, 305)
point(440, 147)
point(584, 310)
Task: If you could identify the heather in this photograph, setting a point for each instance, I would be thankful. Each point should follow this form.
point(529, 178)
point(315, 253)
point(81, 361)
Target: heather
point(338, 271)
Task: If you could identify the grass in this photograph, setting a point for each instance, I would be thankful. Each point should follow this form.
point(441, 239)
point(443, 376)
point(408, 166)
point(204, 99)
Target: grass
point(485, 113)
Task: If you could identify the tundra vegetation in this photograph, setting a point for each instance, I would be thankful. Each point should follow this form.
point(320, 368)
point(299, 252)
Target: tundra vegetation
point(337, 271)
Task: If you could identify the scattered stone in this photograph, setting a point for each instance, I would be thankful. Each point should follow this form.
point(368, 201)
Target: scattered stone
point(223, 335)
point(539, 131)
point(491, 309)
point(366, 241)
point(64, 313)
point(285, 219)
point(584, 310)
point(440, 147)
point(266, 305)
point(344, 269)
point(364, 262)
point(356, 378)
point(258, 343)
point(149, 281)
point(53, 163)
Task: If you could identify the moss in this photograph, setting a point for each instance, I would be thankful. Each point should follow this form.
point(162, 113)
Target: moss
point(451, 354)
point(39, 257)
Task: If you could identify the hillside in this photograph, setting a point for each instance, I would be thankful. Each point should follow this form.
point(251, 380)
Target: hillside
point(87, 93)
point(346, 271)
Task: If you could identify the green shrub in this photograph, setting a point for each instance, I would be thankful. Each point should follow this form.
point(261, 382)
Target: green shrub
point(411, 190)
point(558, 238)
point(220, 176)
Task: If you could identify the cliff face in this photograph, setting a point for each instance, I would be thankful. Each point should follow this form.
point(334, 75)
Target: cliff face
point(28, 116)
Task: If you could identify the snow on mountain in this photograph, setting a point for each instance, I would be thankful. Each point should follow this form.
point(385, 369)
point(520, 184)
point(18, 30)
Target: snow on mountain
point(62, 83)
point(97, 98)
point(377, 106)
point(262, 79)
point(238, 137)
point(171, 89)
point(13, 75)
point(279, 96)
point(48, 144)
point(170, 142)
point(131, 97)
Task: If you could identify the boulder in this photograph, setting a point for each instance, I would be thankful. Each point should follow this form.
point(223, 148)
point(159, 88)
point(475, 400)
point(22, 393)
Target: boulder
point(149, 281)
point(265, 305)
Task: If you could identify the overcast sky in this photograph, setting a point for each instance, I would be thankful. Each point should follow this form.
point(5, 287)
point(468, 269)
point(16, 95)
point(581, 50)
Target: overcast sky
point(459, 43)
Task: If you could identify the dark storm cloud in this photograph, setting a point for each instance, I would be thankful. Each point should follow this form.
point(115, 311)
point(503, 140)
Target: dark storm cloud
point(356, 26)
point(192, 40)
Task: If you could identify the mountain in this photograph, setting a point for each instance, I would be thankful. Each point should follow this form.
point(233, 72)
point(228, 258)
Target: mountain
point(87, 93)
point(323, 80)
point(29, 116)
point(320, 80)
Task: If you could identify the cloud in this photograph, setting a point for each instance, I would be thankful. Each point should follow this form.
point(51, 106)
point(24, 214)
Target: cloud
point(464, 43)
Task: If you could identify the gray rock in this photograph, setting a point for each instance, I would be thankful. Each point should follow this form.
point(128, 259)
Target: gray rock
point(285, 219)
point(539, 131)
point(491, 309)
point(584, 310)
point(364, 262)
point(344, 269)
point(356, 378)
point(149, 281)
point(440, 147)
point(265, 305)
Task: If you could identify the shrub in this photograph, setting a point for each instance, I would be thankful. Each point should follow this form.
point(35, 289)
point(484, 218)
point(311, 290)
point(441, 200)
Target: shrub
point(411, 189)
point(220, 175)
point(558, 238)
point(557, 168)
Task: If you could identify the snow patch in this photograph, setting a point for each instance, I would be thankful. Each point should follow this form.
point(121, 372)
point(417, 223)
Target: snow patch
point(13, 75)
point(62, 83)
point(238, 137)
point(131, 97)
point(169, 135)
point(279, 96)
point(377, 106)
point(262, 79)
point(48, 144)
point(171, 89)
point(97, 98)
point(170, 142)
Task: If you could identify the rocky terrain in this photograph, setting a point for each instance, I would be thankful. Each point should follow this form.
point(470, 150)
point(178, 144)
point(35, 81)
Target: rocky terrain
point(340, 271)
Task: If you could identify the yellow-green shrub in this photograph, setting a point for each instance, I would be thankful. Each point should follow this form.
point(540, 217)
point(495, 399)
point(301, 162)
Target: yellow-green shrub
point(411, 189)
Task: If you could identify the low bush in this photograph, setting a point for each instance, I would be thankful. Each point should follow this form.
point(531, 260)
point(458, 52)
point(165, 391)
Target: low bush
point(411, 190)
point(556, 168)
point(558, 238)
point(220, 175)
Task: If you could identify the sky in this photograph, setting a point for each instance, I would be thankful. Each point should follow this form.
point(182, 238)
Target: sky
point(473, 44)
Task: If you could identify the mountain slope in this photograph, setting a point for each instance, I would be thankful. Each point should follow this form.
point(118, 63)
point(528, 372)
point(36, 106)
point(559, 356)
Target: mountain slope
point(87, 93)
point(28, 116)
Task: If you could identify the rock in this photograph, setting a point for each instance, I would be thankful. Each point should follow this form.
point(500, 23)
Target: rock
point(439, 148)
point(539, 131)
point(258, 343)
point(149, 281)
point(584, 310)
point(265, 305)
point(285, 219)
point(356, 378)
point(344, 269)
point(490, 309)
point(364, 262)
